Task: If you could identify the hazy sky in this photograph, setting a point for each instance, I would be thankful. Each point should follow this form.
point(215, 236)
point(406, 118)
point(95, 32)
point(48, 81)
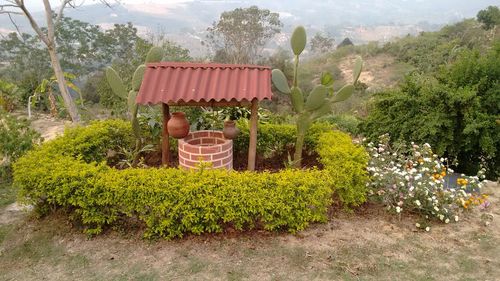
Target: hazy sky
point(37, 5)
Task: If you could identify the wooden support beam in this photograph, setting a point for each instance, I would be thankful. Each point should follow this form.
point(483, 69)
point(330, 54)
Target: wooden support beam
point(252, 148)
point(165, 144)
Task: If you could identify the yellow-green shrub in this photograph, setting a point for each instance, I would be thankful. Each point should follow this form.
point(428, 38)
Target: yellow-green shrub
point(346, 164)
point(278, 138)
point(173, 202)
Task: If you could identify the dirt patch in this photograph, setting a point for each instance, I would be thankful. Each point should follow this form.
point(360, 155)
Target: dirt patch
point(379, 72)
point(48, 126)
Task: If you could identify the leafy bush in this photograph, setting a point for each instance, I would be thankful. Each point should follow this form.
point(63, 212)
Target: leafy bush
point(91, 143)
point(9, 96)
point(455, 113)
point(16, 137)
point(416, 180)
point(63, 173)
point(346, 164)
point(346, 123)
point(275, 139)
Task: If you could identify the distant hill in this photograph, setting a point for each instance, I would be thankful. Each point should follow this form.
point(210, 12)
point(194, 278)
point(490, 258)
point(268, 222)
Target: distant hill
point(361, 20)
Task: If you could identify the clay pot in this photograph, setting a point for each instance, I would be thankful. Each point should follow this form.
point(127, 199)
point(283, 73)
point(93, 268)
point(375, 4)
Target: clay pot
point(178, 125)
point(230, 130)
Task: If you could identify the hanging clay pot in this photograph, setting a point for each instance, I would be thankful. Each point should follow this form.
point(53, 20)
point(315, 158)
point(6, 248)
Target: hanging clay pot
point(230, 130)
point(178, 125)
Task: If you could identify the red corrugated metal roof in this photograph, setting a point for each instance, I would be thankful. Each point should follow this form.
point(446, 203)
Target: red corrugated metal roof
point(172, 82)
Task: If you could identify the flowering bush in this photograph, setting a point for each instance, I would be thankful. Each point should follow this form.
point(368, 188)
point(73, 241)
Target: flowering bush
point(414, 179)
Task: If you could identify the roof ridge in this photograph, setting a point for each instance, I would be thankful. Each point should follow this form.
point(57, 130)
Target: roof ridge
point(205, 65)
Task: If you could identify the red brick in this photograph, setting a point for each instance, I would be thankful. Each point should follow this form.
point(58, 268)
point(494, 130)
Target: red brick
point(201, 157)
point(216, 164)
point(207, 141)
point(195, 141)
point(227, 146)
point(191, 149)
point(183, 154)
point(200, 134)
point(191, 164)
point(220, 155)
point(227, 160)
point(216, 134)
point(210, 149)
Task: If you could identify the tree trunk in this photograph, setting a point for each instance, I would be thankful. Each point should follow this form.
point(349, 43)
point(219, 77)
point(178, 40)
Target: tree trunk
point(61, 82)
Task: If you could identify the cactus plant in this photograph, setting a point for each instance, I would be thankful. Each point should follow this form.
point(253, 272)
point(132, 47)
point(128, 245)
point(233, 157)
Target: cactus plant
point(116, 83)
point(320, 99)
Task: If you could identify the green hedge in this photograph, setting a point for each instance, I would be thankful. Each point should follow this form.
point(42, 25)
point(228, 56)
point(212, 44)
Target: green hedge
point(172, 202)
point(273, 139)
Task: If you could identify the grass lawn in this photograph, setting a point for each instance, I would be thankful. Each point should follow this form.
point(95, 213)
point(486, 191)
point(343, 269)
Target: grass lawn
point(365, 245)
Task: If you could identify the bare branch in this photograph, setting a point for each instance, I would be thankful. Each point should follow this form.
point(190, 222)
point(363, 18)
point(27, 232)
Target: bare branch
point(7, 9)
point(61, 10)
point(17, 27)
point(38, 30)
point(50, 24)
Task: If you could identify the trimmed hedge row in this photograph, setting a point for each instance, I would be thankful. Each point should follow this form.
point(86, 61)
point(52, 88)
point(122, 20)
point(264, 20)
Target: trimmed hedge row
point(69, 173)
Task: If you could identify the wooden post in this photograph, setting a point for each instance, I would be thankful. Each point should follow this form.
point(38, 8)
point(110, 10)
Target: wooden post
point(252, 148)
point(165, 144)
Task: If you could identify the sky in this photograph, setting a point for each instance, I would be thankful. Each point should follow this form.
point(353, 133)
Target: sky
point(37, 5)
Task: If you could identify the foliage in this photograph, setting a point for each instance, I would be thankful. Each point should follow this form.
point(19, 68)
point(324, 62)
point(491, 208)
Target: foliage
point(16, 137)
point(455, 113)
point(416, 180)
point(210, 118)
point(320, 99)
point(276, 139)
point(67, 173)
point(346, 164)
point(9, 96)
point(129, 93)
point(239, 35)
point(44, 93)
point(429, 50)
point(345, 122)
point(321, 44)
point(489, 17)
point(91, 143)
point(345, 43)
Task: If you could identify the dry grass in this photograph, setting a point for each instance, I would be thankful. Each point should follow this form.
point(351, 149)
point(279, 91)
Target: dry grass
point(365, 245)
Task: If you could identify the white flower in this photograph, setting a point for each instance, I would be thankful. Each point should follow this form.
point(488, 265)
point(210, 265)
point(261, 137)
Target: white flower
point(417, 202)
point(398, 209)
point(436, 208)
point(417, 225)
point(441, 217)
point(427, 228)
point(447, 221)
point(456, 218)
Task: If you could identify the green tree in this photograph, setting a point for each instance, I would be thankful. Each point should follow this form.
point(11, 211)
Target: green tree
point(454, 110)
point(489, 17)
point(321, 44)
point(345, 42)
point(239, 35)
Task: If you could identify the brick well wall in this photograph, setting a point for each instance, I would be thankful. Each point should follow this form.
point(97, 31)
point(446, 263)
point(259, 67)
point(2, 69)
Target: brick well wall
point(206, 146)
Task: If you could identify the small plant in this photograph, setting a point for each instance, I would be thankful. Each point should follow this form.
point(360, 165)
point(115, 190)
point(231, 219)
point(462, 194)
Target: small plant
point(320, 99)
point(47, 88)
point(16, 137)
point(155, 54)
point(9, 95)
point(414, 179)
point(131, 158)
